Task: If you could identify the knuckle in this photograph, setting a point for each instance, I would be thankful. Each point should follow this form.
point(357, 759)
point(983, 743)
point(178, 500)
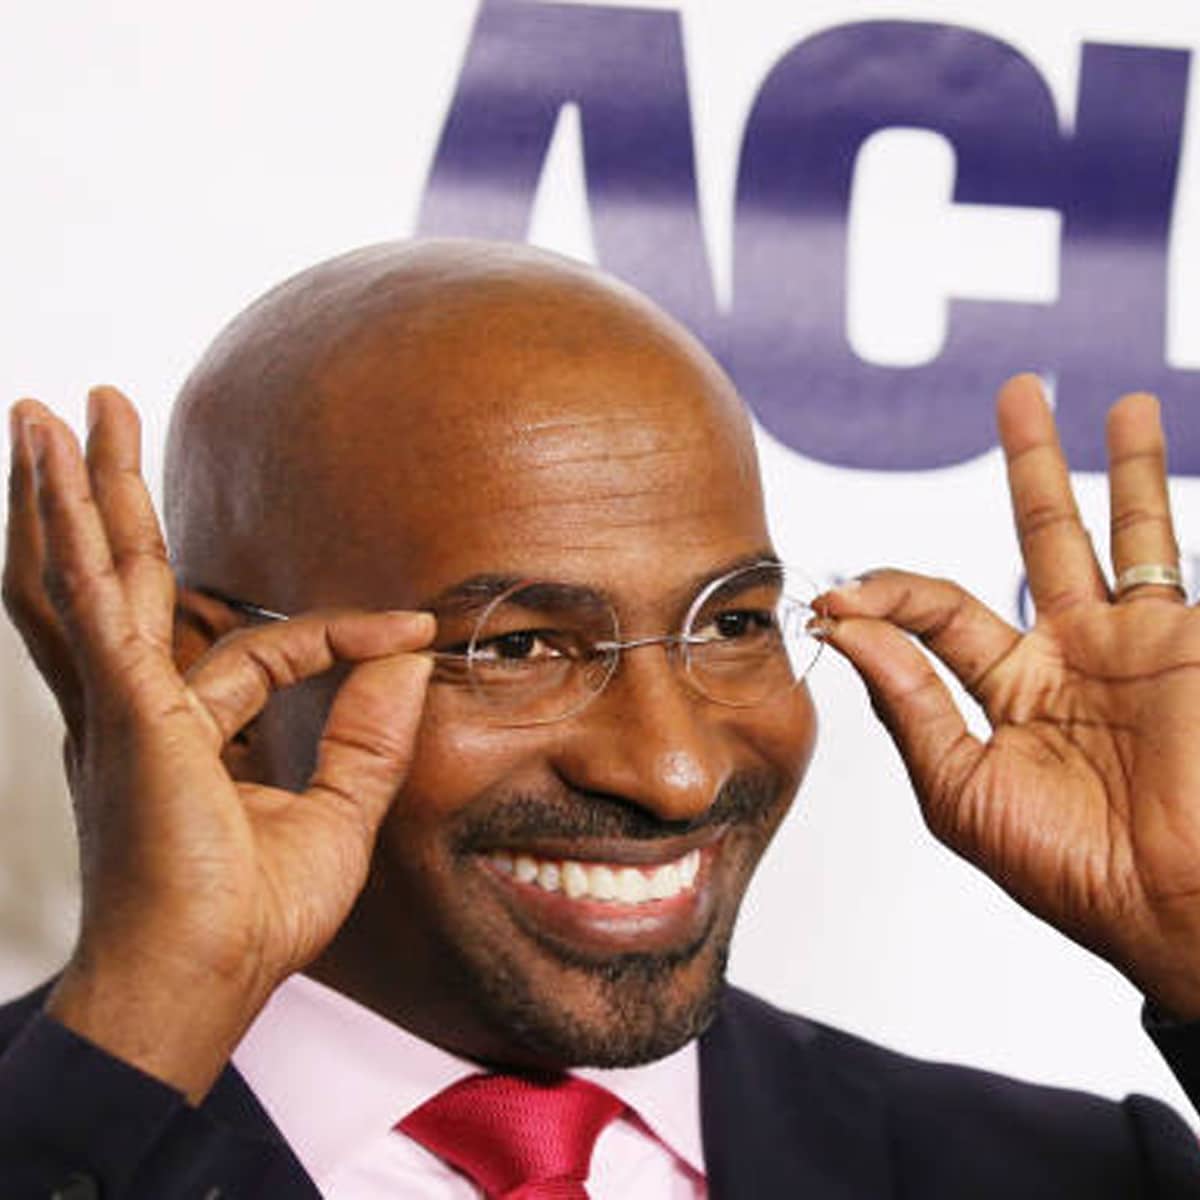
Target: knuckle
point(1035, 450)
point(260, 663)
point(1039, 519)
point(984, 678)
point(379, 753)
point(943, 618)
point(1138, 518)
point(1153, 456)
point(926, 691)
point(367, 743)
point(275, 661)
point(345, 804)
point(152, 555)
point(74, 589)
point(1048, 603)
point(14, 593)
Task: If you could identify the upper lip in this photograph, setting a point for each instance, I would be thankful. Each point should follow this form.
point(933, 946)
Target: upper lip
point(626, 851)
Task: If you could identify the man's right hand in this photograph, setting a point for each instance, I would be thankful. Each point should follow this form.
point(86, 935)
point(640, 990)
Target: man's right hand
point(200, 892)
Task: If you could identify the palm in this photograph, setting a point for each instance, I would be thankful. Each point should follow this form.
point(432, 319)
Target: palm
point(1084, 803)
point(182, 858)
point(239, 870)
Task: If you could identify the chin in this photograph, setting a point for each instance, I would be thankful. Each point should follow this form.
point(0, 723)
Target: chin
point(627, 1010)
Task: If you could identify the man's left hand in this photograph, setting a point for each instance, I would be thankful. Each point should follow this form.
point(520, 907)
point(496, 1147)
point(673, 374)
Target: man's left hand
point(1084, 803)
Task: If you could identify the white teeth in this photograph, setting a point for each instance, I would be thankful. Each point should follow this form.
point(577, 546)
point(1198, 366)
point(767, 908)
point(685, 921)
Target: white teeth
point(604, 883)
point(575, 880)
point(665, 882)
point(596, 881)
point(689, 868)
point(632, 886)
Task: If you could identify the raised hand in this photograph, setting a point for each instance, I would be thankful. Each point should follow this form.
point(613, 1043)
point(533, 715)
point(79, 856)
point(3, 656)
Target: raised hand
point(1084, 804)
point(200, 892)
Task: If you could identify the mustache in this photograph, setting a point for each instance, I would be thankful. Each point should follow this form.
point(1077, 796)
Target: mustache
point(747, 798)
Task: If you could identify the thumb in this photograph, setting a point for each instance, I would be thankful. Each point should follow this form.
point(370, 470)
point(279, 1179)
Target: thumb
point(367, 744)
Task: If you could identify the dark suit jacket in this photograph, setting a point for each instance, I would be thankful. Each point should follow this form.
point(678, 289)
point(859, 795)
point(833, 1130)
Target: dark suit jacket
point(790, 1108)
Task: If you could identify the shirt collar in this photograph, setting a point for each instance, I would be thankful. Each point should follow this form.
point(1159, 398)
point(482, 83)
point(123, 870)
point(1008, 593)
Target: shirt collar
point(665, 1095)
point(310, 1041)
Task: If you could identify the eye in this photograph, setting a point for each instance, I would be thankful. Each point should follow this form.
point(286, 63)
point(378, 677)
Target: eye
point(522, 645)
point(738, 624)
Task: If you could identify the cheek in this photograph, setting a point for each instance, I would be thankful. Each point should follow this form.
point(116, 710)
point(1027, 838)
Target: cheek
point(454, 762)
point(785, 733)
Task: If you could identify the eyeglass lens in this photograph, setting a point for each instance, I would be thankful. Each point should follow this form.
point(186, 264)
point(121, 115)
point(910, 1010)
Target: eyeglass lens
point(746, 636)
point(542, 650)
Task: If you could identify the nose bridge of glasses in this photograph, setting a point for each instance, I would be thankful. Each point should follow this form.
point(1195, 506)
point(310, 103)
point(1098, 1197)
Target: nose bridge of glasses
point(670, 640)
point(675, 647)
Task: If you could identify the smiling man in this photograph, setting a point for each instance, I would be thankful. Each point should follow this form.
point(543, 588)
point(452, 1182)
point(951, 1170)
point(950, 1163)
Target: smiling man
point(471, 419)
point(499, 521)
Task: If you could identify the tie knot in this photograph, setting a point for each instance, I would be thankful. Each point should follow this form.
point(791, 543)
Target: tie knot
point(516, 1137)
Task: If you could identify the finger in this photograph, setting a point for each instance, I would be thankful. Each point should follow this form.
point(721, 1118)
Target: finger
point(1141, 529)
point(1059, 558)
point(236, 678)
point(367, 744)
point(964, 633)
point(917, 709)
point(77, 572)
point(25, 597)
point(134, 535)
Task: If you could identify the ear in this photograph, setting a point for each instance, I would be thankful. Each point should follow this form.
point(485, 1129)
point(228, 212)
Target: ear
point(200, 622)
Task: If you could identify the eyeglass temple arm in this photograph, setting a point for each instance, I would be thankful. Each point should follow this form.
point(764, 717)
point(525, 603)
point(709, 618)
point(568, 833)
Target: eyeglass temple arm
point(269, 614)
point(604, 647)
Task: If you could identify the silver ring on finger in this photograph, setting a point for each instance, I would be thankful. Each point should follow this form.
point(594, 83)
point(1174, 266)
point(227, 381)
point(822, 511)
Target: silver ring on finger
point(1147, 575)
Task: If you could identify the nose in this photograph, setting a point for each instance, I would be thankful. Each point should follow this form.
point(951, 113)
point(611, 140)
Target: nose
point(648, 739)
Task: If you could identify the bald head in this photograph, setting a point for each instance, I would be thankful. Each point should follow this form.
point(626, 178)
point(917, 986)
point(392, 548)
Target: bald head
point(434, 382)
point(407, 427)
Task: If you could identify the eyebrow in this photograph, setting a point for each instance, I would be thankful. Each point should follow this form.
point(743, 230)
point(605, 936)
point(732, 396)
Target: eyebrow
point(473, 594)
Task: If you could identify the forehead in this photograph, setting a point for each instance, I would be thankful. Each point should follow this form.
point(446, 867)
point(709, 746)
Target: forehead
point(619, 461)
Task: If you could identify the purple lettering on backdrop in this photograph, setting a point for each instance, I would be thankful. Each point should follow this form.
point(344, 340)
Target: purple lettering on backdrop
point(787, 344)
point(624, 68)
point(785, 339)
point(1119, 193)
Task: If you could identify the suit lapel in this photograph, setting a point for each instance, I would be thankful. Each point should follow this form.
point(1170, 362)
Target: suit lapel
point(781, 1117)
point(233, 1105)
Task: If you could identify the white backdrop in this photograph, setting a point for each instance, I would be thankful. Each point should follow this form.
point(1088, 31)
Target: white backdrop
point(163, 164)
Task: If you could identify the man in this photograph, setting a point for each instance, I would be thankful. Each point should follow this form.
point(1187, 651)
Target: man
point(514, 834)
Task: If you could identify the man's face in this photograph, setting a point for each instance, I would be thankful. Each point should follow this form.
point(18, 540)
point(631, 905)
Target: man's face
point(620, 476)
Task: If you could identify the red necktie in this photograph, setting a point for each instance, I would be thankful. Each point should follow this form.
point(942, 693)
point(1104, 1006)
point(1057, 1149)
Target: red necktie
point(516, 1139)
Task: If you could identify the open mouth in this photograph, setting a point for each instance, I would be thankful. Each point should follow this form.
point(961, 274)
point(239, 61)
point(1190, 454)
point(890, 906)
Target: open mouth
point(597, 904)
point(607, 882)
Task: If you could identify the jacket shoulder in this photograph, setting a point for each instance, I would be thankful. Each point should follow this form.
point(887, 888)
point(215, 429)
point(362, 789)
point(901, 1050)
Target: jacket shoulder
point(945, 1121)
point(768, 1030)
point(17, 1013)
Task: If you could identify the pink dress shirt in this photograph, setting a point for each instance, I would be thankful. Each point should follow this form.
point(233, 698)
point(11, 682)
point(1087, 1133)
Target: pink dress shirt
point(336, 1078)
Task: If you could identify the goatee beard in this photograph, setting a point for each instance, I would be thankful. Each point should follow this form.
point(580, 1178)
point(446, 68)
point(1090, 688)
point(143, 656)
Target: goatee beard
point(644, 1005)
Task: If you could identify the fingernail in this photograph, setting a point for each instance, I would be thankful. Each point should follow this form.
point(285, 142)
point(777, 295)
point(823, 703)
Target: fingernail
point(822, 628)
point(422, 622)
point(35, 436)
point(93, 406)
point(849, 585)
